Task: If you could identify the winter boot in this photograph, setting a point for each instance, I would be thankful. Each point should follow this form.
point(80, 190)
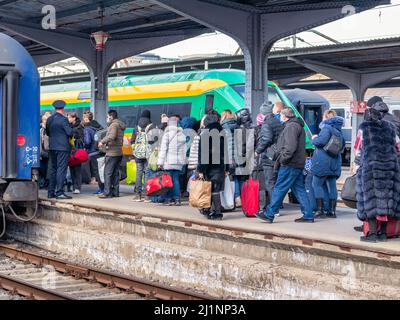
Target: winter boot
point(216, 213)
point(320, 209)
point(332, 209)
point(371, 236)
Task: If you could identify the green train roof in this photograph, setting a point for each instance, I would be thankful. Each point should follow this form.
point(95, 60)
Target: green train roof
point(230, 76)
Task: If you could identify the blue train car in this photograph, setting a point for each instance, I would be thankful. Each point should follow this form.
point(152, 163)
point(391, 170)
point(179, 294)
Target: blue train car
point(19, 126)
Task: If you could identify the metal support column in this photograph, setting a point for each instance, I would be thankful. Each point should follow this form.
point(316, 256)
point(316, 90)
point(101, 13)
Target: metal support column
point(255, 29)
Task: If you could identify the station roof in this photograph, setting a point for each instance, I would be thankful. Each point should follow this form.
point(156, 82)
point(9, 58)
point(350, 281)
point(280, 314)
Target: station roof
point(126, 19)
point(363, 56)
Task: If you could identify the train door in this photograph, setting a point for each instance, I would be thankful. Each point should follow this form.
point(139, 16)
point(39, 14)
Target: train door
point(312, 115)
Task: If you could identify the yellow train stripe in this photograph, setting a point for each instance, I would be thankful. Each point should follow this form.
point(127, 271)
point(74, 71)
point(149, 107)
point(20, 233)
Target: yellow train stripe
point(154, 91)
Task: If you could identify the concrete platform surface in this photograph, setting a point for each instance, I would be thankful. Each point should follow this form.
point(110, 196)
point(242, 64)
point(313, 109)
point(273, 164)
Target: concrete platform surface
point(332, 231)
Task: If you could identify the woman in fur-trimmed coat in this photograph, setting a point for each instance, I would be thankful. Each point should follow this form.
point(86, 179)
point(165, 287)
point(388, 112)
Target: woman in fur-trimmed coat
point(378, 178)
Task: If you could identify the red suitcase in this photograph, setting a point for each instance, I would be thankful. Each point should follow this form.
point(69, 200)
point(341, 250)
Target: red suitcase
point(250, 197)
point(392, 230)
point(159, 185)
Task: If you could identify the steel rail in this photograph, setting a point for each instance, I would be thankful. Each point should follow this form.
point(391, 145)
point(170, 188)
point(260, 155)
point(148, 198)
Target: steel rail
point(110, 279)
point(29, 290)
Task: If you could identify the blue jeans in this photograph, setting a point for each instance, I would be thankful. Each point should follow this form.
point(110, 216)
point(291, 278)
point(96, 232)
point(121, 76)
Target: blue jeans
point(175, 192)
point(289, 178)
point(311, 194)
point(320, 184)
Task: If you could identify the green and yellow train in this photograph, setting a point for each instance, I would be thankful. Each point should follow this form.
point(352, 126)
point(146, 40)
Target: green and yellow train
point(187, 93)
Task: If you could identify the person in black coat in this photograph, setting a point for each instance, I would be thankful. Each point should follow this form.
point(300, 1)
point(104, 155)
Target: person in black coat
point(270, 132)
point(291, 158)
point(212, 165)
point(59, 132)
point(77, 134)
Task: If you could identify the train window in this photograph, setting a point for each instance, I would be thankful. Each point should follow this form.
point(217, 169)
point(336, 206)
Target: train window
point(340, 112)
point(273, 95)
point(130, 115)
point(84, 95)
point(240, 89)
point(209, 103)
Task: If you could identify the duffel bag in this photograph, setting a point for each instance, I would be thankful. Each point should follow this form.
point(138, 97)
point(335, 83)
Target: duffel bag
point(77, 157)
point(159, 185)
point(348, 194)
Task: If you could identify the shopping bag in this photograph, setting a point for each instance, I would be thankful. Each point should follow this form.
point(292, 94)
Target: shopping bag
point(153, 160)
point(200, 194)
point(131, 172)
point(101, 162)
point(228, 195)
point(192, 177)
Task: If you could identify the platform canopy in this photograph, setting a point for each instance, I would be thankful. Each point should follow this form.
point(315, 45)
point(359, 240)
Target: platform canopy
point(125, 19)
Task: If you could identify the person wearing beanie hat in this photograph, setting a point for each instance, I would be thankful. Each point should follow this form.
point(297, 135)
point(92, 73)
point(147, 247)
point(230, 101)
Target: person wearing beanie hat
point(266, 108)
point(374, 100)
point(141, 139)
point(59, 132)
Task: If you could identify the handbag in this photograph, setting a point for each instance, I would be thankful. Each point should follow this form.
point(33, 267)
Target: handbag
point(349, 194)
point(101, 162)
point(77, 157)
point(200, 194)
point(334, 146)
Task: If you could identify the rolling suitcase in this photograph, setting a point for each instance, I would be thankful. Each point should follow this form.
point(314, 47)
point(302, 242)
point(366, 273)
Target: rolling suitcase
point(392, 230)
point(250, 198)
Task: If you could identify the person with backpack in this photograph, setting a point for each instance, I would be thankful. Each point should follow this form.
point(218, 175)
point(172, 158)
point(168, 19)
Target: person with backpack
point(326, 165)
point(90, 128)
point(141, 148)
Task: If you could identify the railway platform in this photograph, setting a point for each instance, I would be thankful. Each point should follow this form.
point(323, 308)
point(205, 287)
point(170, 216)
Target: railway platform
point(237, 257)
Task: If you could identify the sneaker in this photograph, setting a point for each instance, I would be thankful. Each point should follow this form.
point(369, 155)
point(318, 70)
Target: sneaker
point(238, 202)
point(359, 228)
point(76, 191)
point(369, 238)
point(138, 198)
point(104, 196)
point(277, 215)
point(302, 220)
point(263, 217)
point(98, 192)
point(147, 200)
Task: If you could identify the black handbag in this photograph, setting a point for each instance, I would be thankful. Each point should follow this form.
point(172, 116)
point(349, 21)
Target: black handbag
point(334, 146)
point(348, 194)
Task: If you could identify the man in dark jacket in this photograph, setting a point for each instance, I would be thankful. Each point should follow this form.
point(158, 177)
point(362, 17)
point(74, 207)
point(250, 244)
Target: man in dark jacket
point(270, 132)
point(59, 131)
point(291, 146)
point(113, 141)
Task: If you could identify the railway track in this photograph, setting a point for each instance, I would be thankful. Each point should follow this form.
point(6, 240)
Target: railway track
point(41, 277)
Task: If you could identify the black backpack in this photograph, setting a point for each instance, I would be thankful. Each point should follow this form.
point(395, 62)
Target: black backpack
point(334, 146)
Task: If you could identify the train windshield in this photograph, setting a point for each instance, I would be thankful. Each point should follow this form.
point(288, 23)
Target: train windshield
point(273, 95)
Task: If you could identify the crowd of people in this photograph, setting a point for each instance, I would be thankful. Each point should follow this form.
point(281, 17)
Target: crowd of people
point(272, 150)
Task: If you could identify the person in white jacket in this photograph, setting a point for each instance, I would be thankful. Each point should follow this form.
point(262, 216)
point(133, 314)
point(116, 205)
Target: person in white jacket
point(172, 157)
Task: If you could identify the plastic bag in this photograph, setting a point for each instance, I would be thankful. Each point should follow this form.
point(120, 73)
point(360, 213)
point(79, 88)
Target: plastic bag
point(153, 160)
point(131, 172)
point(228, 195)
point(101, 163)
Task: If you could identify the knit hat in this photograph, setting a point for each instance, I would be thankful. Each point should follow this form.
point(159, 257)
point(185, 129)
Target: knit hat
point(260, 119)
point(146, 114)
point(373, 100)
point(59, 104)
point(266, 108)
